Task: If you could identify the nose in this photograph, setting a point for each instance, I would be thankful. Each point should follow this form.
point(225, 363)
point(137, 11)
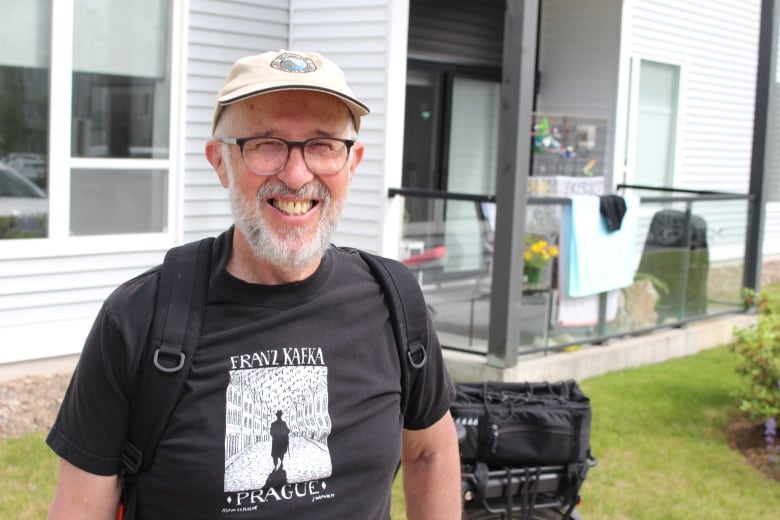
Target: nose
point(295, 174)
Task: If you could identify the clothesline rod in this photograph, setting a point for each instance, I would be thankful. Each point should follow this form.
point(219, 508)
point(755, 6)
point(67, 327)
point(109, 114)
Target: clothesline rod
point(676, 190)
point(697, 198)
point(436, 194)
point(446, 195)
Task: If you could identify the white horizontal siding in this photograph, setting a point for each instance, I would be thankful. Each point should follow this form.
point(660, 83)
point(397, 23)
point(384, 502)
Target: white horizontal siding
point(716, 44)
point(358, 35)
point(47, 304)
point(220, 32)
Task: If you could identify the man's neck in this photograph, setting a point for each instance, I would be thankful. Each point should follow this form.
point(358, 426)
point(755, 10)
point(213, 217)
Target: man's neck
point(246, 266)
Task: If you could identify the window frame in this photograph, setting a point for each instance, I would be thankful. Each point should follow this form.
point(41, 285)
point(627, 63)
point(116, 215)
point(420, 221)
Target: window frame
point(61, 162)
point(447, 73)
point(630, 160)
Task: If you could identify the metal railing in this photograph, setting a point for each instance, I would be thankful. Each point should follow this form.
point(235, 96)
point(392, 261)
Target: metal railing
point(458, 297)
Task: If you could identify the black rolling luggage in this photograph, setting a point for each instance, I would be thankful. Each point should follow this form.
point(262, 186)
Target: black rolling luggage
point(525, 448)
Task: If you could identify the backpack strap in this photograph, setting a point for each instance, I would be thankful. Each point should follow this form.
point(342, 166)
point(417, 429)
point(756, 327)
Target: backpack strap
point(408, 313)
point(167, 358)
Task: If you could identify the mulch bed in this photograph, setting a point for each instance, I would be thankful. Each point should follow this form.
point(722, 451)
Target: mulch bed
point(747, 437)
point(30, 403)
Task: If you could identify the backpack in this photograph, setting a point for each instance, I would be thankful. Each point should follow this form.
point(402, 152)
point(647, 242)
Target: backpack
point(176, 328)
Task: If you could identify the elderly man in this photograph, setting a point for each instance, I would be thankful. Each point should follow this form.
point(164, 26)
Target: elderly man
point(291, 323)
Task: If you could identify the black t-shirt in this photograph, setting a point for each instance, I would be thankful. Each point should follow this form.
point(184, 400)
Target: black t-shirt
point(292, 407)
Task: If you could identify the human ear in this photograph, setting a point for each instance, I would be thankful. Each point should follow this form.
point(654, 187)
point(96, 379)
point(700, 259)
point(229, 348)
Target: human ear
point(358, 149)
point(214, 155)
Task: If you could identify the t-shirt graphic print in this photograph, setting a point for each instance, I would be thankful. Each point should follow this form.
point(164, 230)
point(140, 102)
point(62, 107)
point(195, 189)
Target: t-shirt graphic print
point(276, 427)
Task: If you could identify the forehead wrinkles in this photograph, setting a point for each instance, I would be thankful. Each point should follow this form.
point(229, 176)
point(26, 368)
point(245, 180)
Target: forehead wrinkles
point(324, 112)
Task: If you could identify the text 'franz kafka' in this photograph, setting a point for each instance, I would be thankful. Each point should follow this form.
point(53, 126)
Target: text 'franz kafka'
point(286, 356)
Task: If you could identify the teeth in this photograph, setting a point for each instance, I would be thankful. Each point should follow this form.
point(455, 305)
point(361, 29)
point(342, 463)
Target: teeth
point(293, 208)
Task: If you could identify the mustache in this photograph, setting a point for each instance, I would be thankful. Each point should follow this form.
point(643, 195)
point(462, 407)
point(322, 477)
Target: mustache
point(311, 190)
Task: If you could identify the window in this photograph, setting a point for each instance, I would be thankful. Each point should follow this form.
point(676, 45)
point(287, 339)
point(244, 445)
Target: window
point(472, 156)
point(120, 110)
point(108, 172)
point(450, 138)
point(450, 144)
point(656, 90)
point(25, 29)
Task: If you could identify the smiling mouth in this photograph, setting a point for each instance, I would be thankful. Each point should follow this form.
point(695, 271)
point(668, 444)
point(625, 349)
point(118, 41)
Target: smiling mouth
point(293, 208)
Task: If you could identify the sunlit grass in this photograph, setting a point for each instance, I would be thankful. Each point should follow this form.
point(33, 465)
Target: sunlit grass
point(659, 435)
point(27, 473)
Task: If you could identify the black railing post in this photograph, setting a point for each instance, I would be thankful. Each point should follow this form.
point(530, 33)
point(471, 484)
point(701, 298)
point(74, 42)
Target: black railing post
point(514, 153)
point(762, 130)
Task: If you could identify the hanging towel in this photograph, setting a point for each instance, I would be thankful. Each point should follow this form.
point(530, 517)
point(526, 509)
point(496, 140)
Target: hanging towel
point(594, 259)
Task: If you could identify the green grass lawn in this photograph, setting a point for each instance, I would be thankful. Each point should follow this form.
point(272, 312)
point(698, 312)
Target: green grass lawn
point(27, 473)
point(658, 434)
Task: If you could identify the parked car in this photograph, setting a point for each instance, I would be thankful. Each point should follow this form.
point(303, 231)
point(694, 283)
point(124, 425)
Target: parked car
point(24, 206)
point(32, 166)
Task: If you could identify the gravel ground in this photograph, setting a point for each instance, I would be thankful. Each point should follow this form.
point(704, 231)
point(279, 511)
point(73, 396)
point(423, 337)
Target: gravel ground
point(30, 403)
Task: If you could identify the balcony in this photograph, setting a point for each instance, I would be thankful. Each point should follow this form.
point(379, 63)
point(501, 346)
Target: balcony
point(686, 261)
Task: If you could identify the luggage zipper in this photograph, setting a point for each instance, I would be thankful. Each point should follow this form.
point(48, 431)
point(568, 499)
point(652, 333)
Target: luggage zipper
point(497, 432)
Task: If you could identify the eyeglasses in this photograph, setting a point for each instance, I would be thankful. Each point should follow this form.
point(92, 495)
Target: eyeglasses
point(269, 155)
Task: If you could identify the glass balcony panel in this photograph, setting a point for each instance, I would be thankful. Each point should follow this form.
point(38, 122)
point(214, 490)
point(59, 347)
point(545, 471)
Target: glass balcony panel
point(688, 263)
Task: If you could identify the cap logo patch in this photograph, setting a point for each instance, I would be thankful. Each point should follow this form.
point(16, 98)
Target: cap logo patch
point(296, 63)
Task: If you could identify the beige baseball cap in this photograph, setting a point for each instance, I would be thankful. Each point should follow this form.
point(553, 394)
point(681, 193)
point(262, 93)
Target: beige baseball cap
point(286, 70)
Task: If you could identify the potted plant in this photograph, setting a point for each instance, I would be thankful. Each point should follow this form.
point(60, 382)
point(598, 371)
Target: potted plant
point(537, 254)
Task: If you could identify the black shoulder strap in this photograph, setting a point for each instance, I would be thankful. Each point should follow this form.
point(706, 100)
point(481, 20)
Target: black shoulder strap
point(408, 313)
point(167, 358)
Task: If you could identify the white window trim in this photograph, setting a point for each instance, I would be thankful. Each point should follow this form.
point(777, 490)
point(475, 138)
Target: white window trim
point(59, 242)
point(627, 174)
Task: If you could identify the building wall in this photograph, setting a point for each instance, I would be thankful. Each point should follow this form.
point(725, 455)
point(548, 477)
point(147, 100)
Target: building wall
point(716, 102)
point(718, 87)
point(367, 38)
point(579, 63)
point(47, 303)
point(51, 291)
point(220, 32)
point(49, 296)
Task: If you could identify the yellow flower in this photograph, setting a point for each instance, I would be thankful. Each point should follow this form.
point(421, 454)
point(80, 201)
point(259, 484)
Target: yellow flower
point(538, 253)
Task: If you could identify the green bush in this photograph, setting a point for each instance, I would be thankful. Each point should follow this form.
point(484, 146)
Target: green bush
point(757, 349)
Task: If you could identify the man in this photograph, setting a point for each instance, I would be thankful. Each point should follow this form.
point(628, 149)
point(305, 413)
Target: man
point(291, 323)
point(280, 440)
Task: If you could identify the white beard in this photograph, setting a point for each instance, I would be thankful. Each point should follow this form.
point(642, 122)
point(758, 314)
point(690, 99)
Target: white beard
point(286, 248)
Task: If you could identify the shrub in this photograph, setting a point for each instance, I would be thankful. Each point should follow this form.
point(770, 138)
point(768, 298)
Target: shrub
point(757, 349)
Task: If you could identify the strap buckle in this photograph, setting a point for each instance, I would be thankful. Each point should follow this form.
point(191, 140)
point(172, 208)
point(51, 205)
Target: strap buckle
point(175, 358)
point(130, 459)
point(417, 354)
